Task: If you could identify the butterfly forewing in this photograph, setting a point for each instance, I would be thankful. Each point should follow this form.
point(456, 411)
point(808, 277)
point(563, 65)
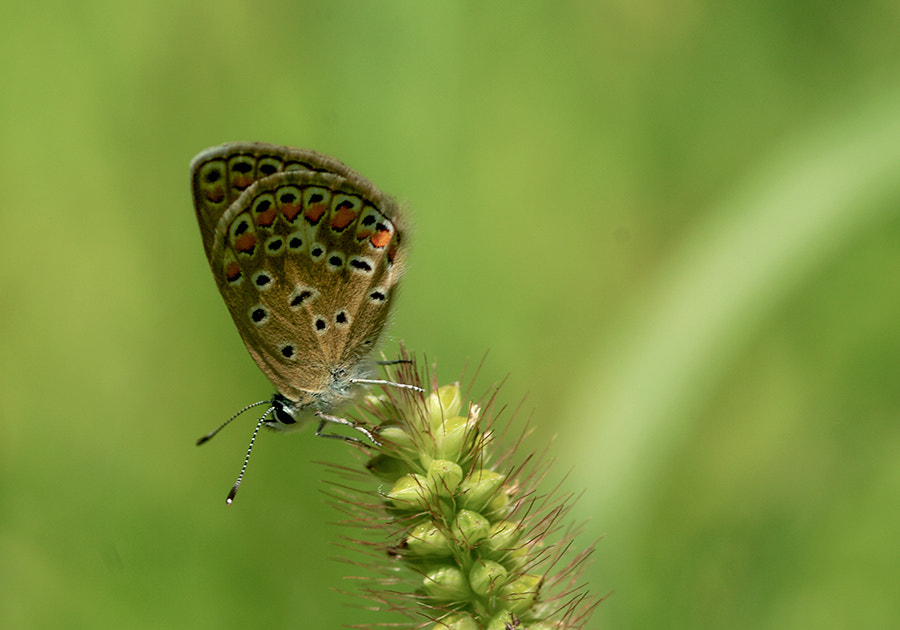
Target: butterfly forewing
point(306, 254)
point(220, 174)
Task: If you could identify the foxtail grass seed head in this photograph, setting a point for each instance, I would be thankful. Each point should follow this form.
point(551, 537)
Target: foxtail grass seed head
point(479, 541)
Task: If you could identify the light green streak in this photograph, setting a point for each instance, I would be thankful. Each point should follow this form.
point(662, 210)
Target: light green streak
point(723, 283)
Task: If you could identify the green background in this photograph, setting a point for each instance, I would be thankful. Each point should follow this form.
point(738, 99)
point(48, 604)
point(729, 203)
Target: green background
point(676, 226)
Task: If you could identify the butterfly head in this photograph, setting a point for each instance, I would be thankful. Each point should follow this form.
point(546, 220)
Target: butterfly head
point(341, 387)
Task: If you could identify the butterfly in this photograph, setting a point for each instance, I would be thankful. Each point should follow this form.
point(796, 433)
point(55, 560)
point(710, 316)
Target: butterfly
point(307, 255)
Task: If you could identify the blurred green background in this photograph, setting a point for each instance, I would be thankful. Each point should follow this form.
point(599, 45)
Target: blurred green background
point(675, 225)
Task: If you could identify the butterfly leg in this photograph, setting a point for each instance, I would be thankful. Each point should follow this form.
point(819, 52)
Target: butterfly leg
point(325, 418)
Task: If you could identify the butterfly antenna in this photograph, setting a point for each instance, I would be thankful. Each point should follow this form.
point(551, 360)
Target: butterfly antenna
point(209, 436)
point(393, 362)
point(237, 484)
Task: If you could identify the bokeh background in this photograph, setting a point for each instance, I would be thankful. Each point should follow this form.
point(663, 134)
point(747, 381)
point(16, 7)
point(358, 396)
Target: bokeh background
point(675, 226)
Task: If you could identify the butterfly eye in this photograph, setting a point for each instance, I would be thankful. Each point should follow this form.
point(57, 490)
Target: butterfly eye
point(284, 416)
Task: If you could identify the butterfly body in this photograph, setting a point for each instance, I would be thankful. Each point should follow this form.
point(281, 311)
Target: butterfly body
point(307, 255)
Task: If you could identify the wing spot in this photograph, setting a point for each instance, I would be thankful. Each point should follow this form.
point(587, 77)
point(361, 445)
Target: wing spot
point(381, 237)
point(263, 280)
point(213, 175)
point(268, 168)
point(241, 172)
point(275, 245)
point(295, 242)
point(246, 244)
point(361, 264)
point(264, 211)
point(341, 319)
point(290, 203)
point(314, 213)
point(344, 214)
point(232, 272)
point(259, 315)
point(301, 296)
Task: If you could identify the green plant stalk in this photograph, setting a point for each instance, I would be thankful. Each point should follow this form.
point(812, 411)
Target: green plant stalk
point(484, 550)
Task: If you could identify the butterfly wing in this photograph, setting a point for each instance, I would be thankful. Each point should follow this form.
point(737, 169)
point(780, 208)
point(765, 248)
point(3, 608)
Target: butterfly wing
point(306, 254)
point(220, 174)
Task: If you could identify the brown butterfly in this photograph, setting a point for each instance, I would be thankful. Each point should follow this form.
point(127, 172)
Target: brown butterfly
point(307, 255)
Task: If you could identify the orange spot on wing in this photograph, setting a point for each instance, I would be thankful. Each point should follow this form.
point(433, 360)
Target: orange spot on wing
point(266, 218)
point(380, 238)
point(232, 272)
point(241, 181)
point(245, 242)
point(343, 218)
point(290, 211)
point(215, 195)
point(314, 212)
